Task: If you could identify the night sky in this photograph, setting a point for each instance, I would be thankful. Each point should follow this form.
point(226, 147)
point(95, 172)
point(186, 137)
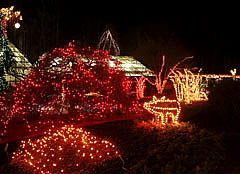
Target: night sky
point(210, 34)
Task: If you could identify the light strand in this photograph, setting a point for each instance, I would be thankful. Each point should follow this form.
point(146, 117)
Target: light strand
point(164, 110)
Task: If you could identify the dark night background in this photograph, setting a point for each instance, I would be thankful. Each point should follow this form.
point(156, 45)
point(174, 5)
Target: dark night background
point(145, 31)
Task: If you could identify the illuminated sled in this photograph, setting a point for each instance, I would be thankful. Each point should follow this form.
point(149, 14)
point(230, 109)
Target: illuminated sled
point(164, 110)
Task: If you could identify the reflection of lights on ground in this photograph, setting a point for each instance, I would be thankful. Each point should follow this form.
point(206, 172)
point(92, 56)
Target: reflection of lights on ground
point(64, 150)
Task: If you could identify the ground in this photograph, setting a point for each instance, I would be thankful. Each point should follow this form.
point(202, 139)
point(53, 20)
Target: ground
point(147, 149)
point(133, 144)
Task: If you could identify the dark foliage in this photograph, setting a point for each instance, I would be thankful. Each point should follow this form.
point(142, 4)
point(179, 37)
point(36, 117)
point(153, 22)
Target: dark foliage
point(225, 99)
point(221, 112)
point(150, 149)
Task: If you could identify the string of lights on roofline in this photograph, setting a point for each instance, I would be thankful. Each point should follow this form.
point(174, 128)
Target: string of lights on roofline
point(218, 76)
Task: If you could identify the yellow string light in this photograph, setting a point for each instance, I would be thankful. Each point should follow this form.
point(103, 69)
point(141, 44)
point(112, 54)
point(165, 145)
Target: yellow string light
point(187, 86)
point(164, 110)
point(10, 14)
point(63, 150)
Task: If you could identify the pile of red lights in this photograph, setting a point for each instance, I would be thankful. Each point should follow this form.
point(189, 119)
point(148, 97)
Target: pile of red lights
point(71, 83)
point(64, 150)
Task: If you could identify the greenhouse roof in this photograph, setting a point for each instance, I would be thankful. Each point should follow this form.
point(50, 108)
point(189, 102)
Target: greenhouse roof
point(21, 67)
point(128, 64)
point(131, 66)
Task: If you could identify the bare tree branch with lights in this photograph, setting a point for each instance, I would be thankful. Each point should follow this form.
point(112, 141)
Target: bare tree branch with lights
point(162, 76)
point(108, 43)
point(140, 87)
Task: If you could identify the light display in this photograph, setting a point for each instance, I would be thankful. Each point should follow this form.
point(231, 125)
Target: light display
point(6, 58)
point(188, 86)
point(10, 14)
point(5, 112)
point(140, 87)
point(20, 67)
point(164, 110)
point(164, 73)
point(3, 49)
point(233, 72)
point(108, 43)
point(131, 66)
point(58, 90)
point(220, 76)
point(65, 150)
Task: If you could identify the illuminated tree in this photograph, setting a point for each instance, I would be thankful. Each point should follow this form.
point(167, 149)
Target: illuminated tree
point(108, 43)
point(6, 101)
point(6, 55)
point(162, 76)
point(150, 44)
point(73, 83)
point(3, 52)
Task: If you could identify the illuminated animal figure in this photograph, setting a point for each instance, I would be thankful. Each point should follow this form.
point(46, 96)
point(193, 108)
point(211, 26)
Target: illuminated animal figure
point(164, 110)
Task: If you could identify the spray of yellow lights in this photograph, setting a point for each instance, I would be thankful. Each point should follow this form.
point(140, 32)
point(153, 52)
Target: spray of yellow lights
point(63, 150)
point(187, 86)
point(164, 110)
point(10, 14)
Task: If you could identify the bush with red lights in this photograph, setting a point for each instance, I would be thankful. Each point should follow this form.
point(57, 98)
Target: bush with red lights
point(71, 83)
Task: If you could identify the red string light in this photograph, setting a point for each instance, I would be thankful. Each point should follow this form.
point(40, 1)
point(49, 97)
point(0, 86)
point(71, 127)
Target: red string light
point(57, 90)
point(140, 87)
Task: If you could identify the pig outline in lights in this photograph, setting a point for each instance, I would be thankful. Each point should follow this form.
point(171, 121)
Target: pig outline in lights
point(162, 114)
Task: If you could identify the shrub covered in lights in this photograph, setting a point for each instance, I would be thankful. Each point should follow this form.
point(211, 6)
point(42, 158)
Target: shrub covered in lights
point(72, 82)
point(65, 150)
